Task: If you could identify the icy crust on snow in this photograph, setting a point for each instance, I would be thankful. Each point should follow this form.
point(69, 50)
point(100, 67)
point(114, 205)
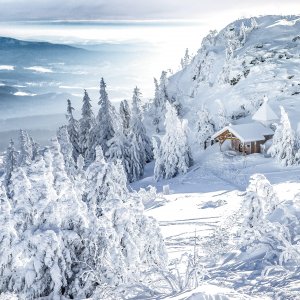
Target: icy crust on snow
point(238, 67)
point(247, 132)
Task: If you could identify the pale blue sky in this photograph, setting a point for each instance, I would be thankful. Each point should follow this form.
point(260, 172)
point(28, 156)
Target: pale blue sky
point(142, 9)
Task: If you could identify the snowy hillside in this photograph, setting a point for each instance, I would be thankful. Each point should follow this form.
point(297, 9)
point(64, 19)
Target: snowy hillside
point(132, 203)
point(246, 60)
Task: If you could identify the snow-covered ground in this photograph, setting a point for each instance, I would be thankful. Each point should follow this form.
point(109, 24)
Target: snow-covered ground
point(204, 200)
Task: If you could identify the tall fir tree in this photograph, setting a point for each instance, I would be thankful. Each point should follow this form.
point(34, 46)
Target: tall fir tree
point(159, 102)
point(86, 122)
point(66, 150)
point(137, 127)
point(103, 130)
point(73, 130)
point(205, 127)
point(175, 155)
point(26, 148)
point(185, 61)
point(10, 164)
point(125, 115)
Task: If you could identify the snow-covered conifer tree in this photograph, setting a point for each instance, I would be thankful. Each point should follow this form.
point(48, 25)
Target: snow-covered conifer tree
point(64, 188)
point(283, 146)
point(222, 119)
point(205, 127)
point(157, 113)
point(103, 130)
point(136, 158)
point(174, 149)
point(80, 178)
point(66, 150)
point(124, 112)
point(265, 192)
point(102, 184)
point(186, 59)
point(157, 151)
point(243, 33)
point(26, 151)
point(21, 200)
point(118, 149)
point(159, 102)
point(163, 83)
point(254, 24)
point(8, 236)
point(10, 163)
point(86, 122)
point(254, 214)
point(35, 148)
point(137, 127)
point(73, 130)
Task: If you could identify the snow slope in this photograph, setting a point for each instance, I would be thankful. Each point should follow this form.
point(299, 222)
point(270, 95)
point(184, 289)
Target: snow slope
point(202, 204)
point(239, 66)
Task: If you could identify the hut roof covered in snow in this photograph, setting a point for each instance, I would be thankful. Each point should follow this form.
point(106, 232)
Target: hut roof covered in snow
point(265, 113)
point(249, 132)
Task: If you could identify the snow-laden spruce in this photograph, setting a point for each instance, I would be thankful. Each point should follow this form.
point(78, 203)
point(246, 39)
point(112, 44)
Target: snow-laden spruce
point(205, 128)
point(103, 129)
point(73, 130)
point(10, 164)
point(138, 129)
point(283, 145)
point(122, 136)
point(66, 150)
point(86, 123)
point(26, 149)
point(158, 108)
point(125, 113)
point(172, 155)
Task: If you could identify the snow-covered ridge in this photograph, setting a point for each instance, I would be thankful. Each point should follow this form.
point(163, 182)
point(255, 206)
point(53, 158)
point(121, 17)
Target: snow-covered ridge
point(246, 60)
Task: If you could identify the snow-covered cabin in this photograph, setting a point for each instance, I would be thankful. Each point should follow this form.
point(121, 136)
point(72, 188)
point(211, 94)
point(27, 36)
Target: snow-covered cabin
point(248, 138)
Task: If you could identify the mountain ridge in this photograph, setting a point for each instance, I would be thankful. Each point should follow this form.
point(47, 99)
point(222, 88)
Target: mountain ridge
point(246, 60)
point(9, 43)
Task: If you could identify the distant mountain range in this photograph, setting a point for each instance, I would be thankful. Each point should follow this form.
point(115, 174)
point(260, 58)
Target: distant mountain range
point(7, 43)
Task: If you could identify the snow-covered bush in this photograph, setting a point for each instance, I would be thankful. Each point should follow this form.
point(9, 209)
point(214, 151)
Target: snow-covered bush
point(269, 229)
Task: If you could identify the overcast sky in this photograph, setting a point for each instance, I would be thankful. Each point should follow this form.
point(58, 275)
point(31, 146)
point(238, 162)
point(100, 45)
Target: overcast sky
point(142, 9)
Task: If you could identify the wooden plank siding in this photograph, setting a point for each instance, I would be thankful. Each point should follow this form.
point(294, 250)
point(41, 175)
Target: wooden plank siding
point(236, 144)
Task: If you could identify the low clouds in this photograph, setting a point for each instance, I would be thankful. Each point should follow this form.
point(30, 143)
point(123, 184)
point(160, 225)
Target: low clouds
point(139, 9)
